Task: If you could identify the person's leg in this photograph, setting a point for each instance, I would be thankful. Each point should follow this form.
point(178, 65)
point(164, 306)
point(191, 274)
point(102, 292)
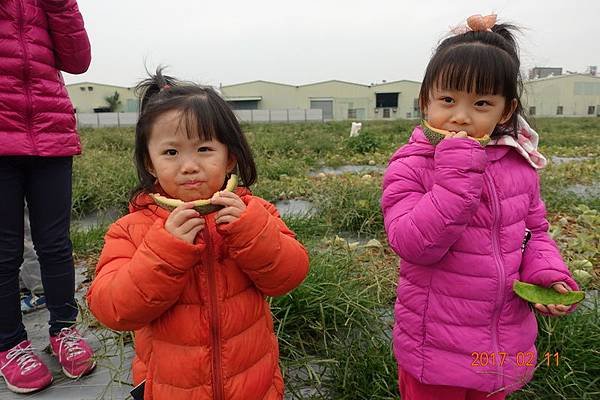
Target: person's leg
point(412, 389)
point(30, 275)
point(22, 370)
point(12, 182)
point(48, 193)
point(30, 269)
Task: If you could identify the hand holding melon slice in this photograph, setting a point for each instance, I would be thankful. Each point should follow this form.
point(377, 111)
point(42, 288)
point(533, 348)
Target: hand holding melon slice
point(435, 135)
point(203, 206)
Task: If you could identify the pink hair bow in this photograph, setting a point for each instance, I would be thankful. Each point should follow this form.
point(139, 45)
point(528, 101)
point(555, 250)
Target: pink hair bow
point(477, 23)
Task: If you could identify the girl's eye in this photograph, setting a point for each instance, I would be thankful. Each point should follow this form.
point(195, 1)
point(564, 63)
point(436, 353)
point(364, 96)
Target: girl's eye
point(447, 99)
point(171, 152)
point(203, 149)
point(482, 103)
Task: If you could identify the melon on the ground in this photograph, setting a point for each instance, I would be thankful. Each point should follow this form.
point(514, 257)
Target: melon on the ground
point(435, 135)
point(542, 295)
point(203, 206)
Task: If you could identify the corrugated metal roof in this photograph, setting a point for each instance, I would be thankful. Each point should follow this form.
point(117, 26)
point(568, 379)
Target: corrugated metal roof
point(243, 98)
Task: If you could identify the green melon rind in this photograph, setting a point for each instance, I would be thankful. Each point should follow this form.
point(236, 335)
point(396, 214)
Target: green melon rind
point(203, 206)
point(433, 137)
point(483, 142)
point(538, 294)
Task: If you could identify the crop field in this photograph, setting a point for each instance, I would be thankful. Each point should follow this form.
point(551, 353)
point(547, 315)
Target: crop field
point(334, 330)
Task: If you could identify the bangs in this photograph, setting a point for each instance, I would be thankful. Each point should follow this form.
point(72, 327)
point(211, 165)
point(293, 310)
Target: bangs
point(198, 119)
point(481, 69)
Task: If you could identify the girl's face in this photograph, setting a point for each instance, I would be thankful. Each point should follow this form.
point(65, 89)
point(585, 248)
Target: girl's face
point(456, 111)
point(186, 169)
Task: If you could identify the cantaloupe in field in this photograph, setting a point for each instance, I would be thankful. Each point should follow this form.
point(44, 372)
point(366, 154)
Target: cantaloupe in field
point(203, 206)
point(435, 135)
point(538, 294)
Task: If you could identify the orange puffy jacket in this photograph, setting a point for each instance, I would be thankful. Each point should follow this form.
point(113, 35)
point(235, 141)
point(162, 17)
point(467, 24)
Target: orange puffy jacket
point(203, 329)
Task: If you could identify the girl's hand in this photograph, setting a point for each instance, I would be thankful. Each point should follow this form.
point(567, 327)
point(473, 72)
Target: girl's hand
point(233, 207)
point(458, 135)
point(184, 223)
point(555, 309)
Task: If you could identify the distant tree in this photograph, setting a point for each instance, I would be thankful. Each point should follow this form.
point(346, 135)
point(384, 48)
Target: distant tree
point(113, 101)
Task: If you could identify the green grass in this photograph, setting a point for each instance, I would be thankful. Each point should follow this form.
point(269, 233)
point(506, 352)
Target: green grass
point(104, 175)
point(334, 329)
point(576, 375)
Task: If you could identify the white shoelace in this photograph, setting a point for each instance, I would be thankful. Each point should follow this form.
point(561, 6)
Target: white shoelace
point(24, 358)
point(69, 339)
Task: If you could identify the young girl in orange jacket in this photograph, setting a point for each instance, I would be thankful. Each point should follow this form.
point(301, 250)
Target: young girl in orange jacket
point(193, 287)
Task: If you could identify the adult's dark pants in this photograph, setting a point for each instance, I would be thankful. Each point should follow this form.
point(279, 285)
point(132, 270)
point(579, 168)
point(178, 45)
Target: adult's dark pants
point(46, 184)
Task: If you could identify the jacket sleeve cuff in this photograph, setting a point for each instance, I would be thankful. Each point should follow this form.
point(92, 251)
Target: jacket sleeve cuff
point(176, 252)
point(547, 278)
point(464, 154)
point(250, 224)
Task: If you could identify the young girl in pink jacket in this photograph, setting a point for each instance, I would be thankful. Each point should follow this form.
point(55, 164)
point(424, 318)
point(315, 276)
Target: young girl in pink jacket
point(457, 210)
point(38, 140)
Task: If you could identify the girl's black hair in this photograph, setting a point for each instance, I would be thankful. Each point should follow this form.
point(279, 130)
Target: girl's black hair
point(481, 61)
point(205, 114)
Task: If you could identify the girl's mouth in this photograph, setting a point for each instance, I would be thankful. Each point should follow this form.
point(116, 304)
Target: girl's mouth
point(192, 184)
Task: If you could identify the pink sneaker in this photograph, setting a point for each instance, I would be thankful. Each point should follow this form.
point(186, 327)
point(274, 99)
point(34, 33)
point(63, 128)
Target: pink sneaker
point(22, 370)
point(74, 354)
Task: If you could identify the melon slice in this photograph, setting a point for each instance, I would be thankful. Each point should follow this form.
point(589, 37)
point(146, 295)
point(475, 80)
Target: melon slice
point(203, 206)
point(435, 135)
point(538, 294)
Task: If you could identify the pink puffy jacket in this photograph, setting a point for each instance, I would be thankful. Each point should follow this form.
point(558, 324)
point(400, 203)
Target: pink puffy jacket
point(456, 214)
point(37, 39)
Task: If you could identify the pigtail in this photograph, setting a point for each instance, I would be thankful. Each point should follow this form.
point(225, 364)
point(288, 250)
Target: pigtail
point(152, 86)
point(510, 45)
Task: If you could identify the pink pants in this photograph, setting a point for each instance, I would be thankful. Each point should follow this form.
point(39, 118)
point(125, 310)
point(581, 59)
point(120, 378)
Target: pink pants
point(412, 389)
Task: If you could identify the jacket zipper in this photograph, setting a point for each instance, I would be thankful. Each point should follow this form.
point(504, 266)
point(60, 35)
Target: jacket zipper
point(499, 271)
point(215, 323)
point(28, 108)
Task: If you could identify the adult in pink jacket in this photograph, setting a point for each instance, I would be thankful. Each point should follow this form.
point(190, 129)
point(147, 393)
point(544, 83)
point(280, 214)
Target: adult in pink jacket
point(457, 212)
point(38, 138)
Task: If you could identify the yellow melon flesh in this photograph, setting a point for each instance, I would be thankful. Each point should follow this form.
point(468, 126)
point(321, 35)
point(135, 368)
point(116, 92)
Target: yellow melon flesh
point(203, 206)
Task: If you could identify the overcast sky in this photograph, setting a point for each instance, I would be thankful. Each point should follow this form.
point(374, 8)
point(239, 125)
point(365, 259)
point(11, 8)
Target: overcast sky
point(300, 42)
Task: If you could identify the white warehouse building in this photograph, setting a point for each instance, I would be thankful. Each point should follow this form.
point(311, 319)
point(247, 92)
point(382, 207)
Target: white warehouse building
point(338, 100)
point(562, 95)
point(571, 95)
point(262, 101)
